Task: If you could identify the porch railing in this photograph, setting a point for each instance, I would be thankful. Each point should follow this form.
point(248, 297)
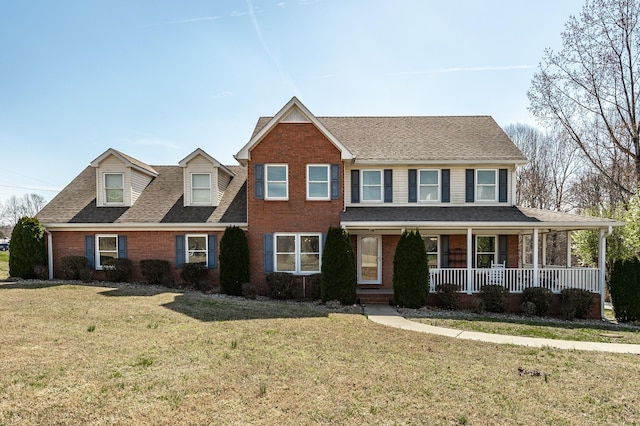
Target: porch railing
point(516, 279)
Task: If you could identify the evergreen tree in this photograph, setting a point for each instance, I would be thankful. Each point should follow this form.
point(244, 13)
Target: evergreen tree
point(624, 287)
point(338, 279)
point(410, 271)
point(27, 248)
point(234, 261)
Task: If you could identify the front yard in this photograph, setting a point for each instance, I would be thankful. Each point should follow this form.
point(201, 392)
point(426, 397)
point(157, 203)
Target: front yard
point(129, 354)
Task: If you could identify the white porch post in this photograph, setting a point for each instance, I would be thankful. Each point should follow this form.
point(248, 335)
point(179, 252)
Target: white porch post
point(544, 250)
point(602, 253)
point(469, 260)
point(536, 273)
point(568, 249)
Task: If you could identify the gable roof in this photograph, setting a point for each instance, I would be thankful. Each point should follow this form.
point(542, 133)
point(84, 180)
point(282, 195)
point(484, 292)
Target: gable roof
point(200, 151)
point(129, 161)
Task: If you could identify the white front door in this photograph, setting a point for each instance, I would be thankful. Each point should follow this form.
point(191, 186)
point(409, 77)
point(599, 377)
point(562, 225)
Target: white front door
point(369, 259)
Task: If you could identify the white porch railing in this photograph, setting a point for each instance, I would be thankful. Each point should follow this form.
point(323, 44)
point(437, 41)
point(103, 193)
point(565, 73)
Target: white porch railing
point(516, 279)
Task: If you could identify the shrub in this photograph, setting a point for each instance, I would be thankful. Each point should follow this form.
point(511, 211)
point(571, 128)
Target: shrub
point(72, 266)
point(155, 271)
point(194, 275)
point(339, 279)
point(529, 308)
point(312, 287)
point(410, 271)
point(117, 270)
point(234, 261)
point(575, 303)
point(540, 297)
point(27, 248)
point(280, 285)
point(448, 296)
point(495, 297)
point(624, 287)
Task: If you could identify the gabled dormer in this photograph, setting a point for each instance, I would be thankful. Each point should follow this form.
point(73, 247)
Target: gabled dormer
point(120, 179)
point(204, 179)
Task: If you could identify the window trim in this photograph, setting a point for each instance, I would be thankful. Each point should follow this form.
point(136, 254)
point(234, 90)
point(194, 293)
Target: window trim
point(208, 189)
point(479, 185)
point(297, 251)
point(266, 182)
point(381, 186)
point(437, 252)
point(326, 197)
point(494, 253)
point(206, 247)
point(378, 279)
point(98, 263)
point(438, 185)
point(105, 189)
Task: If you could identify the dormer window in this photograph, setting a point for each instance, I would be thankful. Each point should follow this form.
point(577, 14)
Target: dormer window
point(114, 188)
point(201, 188)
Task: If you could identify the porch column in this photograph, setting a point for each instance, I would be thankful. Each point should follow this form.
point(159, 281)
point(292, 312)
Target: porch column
point(602, 252)
point(469, 260)
point(568, 236)
point(544, 250)
point(536, 273)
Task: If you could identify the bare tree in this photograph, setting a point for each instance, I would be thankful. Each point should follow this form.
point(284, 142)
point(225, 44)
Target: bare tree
point(590, 89)
point(16, 207)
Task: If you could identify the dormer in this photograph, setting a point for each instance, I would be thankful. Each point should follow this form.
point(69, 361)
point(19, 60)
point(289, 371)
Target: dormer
point(204, 179)
point(120, 179)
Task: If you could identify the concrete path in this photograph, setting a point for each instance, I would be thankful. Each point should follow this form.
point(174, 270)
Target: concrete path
point(387, 315)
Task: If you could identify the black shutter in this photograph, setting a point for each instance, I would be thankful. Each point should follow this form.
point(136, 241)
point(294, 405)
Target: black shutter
point(444, 251)
point(335, 181)
point(502, 185)
point(89, 250)
point(388, 186)
point(446, 185)
point(355, 186)
point(268, 253)
point(258, 181)
point(413, 186)
point(503, 241)
point(469, 186)
point(180, 250)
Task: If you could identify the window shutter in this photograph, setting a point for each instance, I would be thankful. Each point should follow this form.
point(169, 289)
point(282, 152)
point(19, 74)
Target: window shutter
point(258, 181)
point(413, 186)
point(444, 251)
point(268, 253)
point(89, 250)
point(122, 246)
point(388, 186)
point(502, 185)
point(180, 253)
point(335, 181)
point(502, 248)
point(469, 186)
point(212, 251)
point(355, 186)
point(445, 197)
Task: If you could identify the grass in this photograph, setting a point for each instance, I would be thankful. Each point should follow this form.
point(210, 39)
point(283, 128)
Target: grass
point(4, 265)
point(210, 359)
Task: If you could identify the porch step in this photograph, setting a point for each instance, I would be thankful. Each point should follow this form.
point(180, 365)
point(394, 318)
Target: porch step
point(375, 297)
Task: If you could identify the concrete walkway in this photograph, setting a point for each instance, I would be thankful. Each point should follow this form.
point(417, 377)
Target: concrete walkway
point(386, 315)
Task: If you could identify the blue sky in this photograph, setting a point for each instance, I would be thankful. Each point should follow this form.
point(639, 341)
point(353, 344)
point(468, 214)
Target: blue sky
point(157, 79)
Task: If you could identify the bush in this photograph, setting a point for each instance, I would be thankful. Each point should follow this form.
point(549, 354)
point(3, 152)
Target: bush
point(495, 297)
point(73, 266)
point(410, 271)
point(234, 261)
point(529, 308)
point(448, 296)
point(624, 287)
point(280, 285)
point(339, 279)
point(312, 288)
point(575, 303)
point(195, 275)
point(155, 271)
point(540, 297)
point(117, 270)
point(27, 248)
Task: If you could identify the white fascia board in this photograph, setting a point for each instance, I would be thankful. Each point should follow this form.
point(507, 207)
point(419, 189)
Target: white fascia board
point(479, 225)
point(142, 226)
point(469, 163)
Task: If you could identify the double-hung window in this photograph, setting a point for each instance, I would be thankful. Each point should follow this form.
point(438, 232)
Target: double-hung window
point(113, 188)
point(486, 185)
point(429, 185)
point(196, 249)
point(201, 188)
point(485, 251)
point(106, 248)
point(297, 253)
point(276, 182)
point(318, 182)
point(431, 247)
point(371, 185)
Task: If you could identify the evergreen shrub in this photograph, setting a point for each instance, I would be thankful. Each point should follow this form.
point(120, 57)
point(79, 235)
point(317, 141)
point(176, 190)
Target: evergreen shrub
point(280, 285)
point(195, 275)
point(155, 271)
point(624, 287)
point(27, 248)
point(575, 303)
point(495, 297)
point(73, 266)
point(448, 296)
point(540, 297)
point(410, 271)
point(117, 270)
point(234, 261)
point(338, 279)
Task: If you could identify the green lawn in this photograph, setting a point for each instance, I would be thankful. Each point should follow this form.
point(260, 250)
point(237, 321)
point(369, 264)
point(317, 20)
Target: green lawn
point(4, 265)
point(80, 354)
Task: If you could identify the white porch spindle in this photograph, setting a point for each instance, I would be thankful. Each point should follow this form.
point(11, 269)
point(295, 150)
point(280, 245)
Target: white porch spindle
point(536, 272)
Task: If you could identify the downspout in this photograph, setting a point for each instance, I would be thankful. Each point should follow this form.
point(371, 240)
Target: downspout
point(602, 253)
point(49, 253)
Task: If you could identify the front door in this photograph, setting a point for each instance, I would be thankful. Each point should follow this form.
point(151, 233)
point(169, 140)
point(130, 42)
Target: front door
point(369, 256)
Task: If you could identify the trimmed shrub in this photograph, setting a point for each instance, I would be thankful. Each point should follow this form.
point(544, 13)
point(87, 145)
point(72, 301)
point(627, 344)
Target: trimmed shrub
point(575, 303)
point(280, 285)
point(495, 297)
point(117, 270)
point(312, 288)
point(234, 261)
point(448, 296)
point(27, 248)
point(529, 308)
point(410, 271)
point(155, 271)
point(540, 297)
point(624, 287)
point(339, 279)
point(73, 266)
point(195, 275)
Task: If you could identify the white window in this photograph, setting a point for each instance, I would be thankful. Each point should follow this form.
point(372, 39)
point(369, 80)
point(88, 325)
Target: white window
point(486, 186)
point(297, 253)
point(201, 188)
point(276, 182)
point(485, 251)
point(371, 185)
point(106, 248)
point(318, 182)
point(431, 246)
point(429, 185)
point(196, 249)
point(113, 188)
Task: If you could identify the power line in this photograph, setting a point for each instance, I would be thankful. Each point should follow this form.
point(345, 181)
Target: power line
point(31, 189)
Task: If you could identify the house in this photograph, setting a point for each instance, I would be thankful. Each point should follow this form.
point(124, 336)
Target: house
point(453, 178)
